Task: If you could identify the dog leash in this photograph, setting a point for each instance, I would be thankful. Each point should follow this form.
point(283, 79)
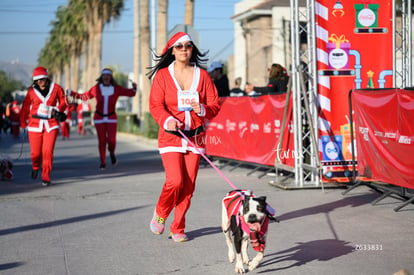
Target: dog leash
point(269, 209)
point(206, 158)
point(22, 144)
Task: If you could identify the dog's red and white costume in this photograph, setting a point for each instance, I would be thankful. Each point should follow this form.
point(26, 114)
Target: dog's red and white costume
point(233, 203)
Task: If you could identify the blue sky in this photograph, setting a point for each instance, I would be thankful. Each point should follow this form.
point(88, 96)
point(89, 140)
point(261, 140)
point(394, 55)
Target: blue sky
point(25, 26)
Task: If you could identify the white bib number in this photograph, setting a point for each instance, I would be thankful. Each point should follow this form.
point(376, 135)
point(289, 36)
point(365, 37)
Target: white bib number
point(185, 98)
point(44, 111)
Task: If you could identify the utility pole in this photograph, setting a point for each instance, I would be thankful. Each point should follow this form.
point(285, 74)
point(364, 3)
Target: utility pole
point(136, 102)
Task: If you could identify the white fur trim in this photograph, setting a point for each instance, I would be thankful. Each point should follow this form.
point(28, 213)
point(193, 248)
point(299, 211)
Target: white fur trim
point(203, 111)
point(37, 77)
point(182, 39)
point(107, 72)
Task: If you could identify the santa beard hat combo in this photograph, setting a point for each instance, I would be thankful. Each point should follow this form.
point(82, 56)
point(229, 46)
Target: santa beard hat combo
point(39, 73)
point(177, 38)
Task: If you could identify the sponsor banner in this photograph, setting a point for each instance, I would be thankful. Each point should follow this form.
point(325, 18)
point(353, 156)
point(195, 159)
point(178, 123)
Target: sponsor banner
point(354, 51)
point(248, 129)
point(384, 132)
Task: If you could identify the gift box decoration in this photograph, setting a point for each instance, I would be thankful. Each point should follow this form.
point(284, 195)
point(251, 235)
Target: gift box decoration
point(366, 15)
point(338, 52)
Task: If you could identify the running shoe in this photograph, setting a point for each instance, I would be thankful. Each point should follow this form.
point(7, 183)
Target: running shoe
point(178, 238)
point(157, 224)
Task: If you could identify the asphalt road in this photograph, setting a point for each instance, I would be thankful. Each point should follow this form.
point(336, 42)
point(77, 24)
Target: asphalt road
point(94, 222)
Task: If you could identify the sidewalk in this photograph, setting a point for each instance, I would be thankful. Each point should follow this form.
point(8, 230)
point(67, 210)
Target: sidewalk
point(93, 222)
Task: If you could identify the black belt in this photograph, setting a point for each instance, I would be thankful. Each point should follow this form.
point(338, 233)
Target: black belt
point(40, 117)
point(110, 114)
point(189, 133)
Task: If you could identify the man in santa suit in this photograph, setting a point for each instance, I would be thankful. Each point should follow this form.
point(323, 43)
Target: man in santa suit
point(182, 97)
point(15, 119)
point(65, 125)
point(82, 109)
point(106, 93)
point(42, 110)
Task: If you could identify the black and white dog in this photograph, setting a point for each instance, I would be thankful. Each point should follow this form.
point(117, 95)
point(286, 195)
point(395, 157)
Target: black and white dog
point(247, 218)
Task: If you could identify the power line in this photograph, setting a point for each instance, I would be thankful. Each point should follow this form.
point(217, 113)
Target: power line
point(105, 31)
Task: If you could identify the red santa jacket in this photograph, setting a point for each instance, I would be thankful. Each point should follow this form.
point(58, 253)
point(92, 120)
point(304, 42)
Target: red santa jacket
point(35, 104)
point(15, 114)
point(164, 106)
point(106, 98)
point(69, 109)
point(82, 107)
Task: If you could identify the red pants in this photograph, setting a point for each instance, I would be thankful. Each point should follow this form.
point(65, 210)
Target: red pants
point(106, 135)
point(16, 130)
point(65, 129)
point(42, 146)
point(180, 173)
point(81, 130)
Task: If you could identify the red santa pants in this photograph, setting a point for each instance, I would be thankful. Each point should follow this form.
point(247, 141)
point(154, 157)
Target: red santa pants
point(65, 129)
point(180, 172)
point(106, 135)
point(81, 130)
point(42, 146)
point(15, 129)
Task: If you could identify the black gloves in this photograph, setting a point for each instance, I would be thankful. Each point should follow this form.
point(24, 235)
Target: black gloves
point(59, 116)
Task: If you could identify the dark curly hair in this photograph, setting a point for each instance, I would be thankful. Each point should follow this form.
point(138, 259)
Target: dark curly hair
point(113, 81)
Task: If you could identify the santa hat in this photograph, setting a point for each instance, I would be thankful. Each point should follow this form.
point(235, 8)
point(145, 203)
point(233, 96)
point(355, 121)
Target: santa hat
point(107, 71)
point(39, 73)
point(175, 39)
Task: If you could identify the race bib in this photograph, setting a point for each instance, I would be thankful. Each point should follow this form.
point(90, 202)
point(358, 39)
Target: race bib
point(185, 98)
point(44, 111)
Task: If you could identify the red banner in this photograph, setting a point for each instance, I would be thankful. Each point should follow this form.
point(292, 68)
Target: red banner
point(385, 135)
point(354, 51)
point(248, 129)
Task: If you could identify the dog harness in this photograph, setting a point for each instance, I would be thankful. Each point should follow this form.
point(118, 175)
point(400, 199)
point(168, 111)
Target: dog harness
point(233, 203)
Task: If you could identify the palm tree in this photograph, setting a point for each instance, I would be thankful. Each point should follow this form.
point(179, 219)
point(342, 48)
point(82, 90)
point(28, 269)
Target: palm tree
point(97, 14)
point(189, 12)
point(78, 38)
point(62, 27)
point(54, 54)
point(77, 33)
point(162, 25)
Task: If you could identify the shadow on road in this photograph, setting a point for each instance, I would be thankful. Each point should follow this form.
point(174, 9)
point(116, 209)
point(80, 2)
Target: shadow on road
point(65, 221)
point(306, 252)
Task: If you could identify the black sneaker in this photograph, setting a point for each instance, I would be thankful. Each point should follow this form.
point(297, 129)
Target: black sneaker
point(34, 174)
point(45, 183)
point(113, 159)
point(102, 166)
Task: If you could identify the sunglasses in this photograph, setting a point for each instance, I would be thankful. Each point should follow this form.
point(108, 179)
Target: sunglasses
point(186, 46)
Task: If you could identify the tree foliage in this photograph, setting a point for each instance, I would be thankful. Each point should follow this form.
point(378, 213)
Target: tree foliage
point(7, 86)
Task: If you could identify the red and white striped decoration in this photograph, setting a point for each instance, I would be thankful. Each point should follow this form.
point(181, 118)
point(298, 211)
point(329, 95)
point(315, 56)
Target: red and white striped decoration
point(324, 98)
